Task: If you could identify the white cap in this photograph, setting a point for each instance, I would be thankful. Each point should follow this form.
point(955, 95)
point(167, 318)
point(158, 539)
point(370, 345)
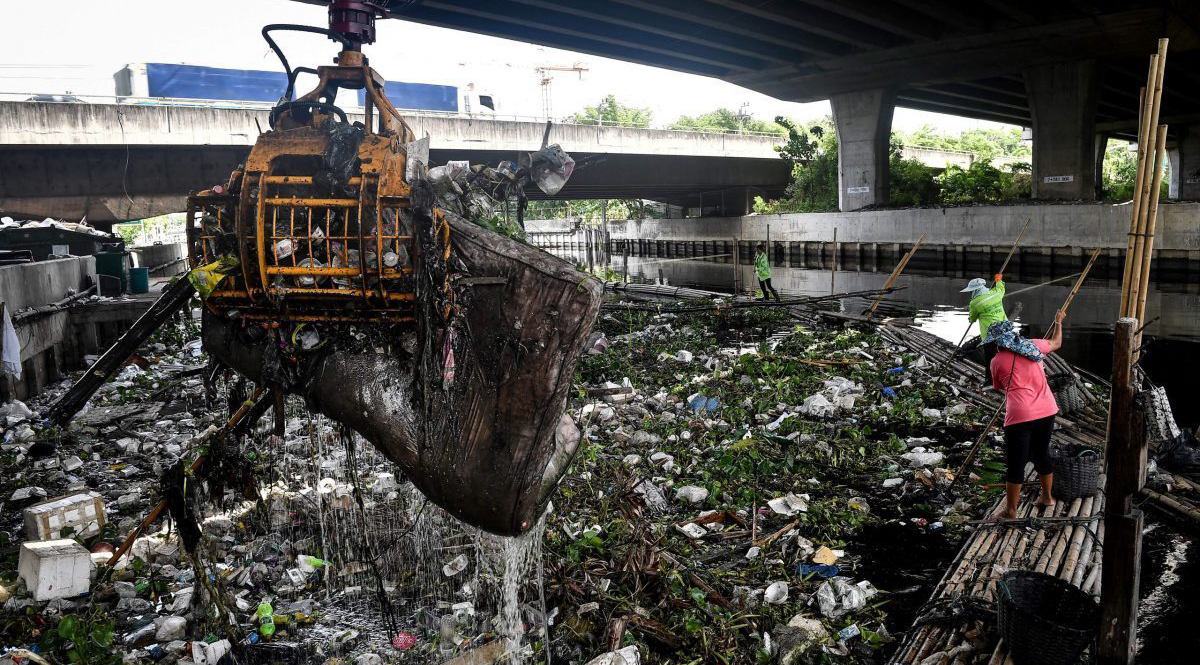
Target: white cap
point(975, 285)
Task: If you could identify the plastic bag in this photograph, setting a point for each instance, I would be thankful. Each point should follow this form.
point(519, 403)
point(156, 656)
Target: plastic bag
point(206, 278)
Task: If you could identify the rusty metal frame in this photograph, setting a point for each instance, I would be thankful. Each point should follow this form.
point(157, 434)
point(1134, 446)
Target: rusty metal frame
point(267, 197)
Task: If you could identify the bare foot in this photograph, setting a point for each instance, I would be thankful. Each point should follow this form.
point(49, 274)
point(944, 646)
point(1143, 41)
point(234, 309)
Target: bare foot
point(1043, 503)
point(1003, 515)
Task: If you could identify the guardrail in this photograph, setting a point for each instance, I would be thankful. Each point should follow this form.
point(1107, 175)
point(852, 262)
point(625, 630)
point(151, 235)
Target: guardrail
point(58, 98)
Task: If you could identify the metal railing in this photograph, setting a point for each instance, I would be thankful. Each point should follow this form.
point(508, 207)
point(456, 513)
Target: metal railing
point(126, 100)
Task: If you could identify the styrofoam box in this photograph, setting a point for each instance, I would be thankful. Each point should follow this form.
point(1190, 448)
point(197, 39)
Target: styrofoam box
point(82, 511)
point(55, 569)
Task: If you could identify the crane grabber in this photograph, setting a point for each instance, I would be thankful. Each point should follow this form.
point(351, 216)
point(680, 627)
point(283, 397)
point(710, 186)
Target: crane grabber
point(338, 266)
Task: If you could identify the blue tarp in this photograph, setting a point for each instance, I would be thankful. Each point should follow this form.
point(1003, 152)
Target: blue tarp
point(195, 82)
point(424, 96)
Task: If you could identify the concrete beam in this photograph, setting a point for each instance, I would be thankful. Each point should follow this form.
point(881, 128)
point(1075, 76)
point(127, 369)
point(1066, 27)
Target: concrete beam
point(864, 123)
point(962, 58)
point(1063, 105)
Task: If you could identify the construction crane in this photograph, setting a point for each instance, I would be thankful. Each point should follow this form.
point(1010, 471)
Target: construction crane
point(543, 72)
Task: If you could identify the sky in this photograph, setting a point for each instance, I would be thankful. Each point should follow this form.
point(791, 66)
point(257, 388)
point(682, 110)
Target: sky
point(92, 39)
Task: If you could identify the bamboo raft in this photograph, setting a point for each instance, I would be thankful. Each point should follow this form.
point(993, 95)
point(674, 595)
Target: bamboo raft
point(956, 626)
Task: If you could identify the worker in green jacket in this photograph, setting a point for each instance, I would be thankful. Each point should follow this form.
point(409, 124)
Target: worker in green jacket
point(987, 307)
point(762, 268)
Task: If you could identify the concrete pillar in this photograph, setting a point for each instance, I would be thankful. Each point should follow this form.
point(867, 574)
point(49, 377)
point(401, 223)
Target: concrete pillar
point(1173, 173)
point(1062, 101)
point(864, 124)
point(1185, 165)
point(1101, 149)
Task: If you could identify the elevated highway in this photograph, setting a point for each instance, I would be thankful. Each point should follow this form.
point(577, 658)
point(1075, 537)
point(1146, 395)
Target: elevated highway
point(121, 161)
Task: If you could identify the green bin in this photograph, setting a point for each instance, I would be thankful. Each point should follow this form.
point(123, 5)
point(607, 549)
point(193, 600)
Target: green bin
point(139, 280)
point(114, 264)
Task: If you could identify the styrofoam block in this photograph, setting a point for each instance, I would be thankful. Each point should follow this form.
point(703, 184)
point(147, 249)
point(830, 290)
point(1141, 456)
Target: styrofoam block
point(82, 511)
point(55, 569)
point(209, 654)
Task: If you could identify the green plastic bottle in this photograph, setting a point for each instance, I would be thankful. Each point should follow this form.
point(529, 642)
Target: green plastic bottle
point(266, 619)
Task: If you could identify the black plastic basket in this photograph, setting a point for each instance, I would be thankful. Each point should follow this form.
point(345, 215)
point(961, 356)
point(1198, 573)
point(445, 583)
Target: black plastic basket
point(1076, 473)
point(1044, 620)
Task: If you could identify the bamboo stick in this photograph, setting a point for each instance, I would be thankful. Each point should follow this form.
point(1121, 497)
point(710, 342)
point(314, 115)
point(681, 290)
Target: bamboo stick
point(1092, 583)
point(1075, 547)
point(1012, 251)
point(1085, 557)
point(1143, 140)
point(1180, 508)
point(1143, 278)
point(896, 273)
point(1074, 290)
point(1147, 137)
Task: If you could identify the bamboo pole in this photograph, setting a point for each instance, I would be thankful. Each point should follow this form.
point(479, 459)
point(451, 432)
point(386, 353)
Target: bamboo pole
point(1146, 140)
point(1074, 290)
point(1143, 278)
point(1012, 251)
point(1143, 143)
point(896, 272)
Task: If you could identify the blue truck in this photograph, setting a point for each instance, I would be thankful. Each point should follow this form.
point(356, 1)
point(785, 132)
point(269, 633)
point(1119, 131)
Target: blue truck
point(155, 79)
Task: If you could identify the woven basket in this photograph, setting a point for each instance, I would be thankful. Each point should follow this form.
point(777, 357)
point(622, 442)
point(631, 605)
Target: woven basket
point(1044, 620)
point(1076, 474)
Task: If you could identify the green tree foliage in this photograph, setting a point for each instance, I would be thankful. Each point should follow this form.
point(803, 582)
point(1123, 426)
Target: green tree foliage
point(984, 143)
point(983, 183)
point(1119, 171)
point(911, 182)
point(812, 153)
point(724, 120)
point(592, 210)
point(611, 112)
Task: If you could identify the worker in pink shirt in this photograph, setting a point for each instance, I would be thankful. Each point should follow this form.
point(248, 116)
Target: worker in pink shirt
point(1029, 407)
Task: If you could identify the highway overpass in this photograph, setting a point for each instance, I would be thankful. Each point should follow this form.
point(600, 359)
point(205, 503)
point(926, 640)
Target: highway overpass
point(122, 161)
point(1069, 70)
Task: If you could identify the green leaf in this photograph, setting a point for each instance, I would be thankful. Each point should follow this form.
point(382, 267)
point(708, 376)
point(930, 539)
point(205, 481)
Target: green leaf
point(102, 633)
point(68, 628)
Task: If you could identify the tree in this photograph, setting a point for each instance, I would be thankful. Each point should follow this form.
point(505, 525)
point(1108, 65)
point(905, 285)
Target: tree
point(911, 182)
point(1119, 171)
point(724, 120)
point(592, 211)
point(983, 143)
point(812, 153)
point(611, 112)
point(977, 183)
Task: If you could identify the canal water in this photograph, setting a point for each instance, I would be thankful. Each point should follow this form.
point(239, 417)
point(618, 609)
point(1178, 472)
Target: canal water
point(1170, 579)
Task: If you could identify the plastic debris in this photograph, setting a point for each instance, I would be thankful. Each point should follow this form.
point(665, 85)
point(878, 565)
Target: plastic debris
point(626, 656)
point(776, 593)
point(919, 459)
point(837, 597)
point(691, 494)
point(789, 504)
